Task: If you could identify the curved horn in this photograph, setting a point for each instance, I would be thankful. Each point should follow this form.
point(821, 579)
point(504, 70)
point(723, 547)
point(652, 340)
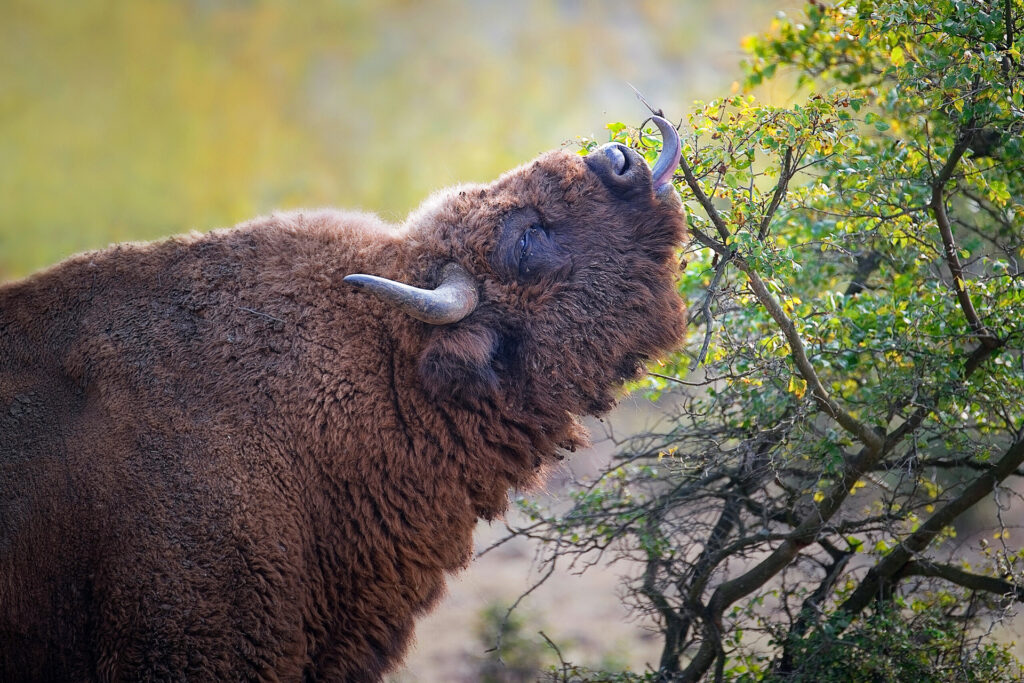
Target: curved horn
point(453, 300)
point(668, 160)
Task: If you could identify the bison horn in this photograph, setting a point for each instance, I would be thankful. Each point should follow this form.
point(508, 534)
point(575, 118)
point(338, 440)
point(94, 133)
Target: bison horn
point(668, 160)
point(453, 300)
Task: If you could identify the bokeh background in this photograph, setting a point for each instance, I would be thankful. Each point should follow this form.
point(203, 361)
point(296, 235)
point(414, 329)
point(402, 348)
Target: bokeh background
point(138, 119)
point(133, 120)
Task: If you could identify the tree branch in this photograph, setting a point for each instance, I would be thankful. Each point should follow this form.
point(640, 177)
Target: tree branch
point(785, 173)
point(892, 564)
point(978, 582)
point(810, 527)
point(874, 447)
point(865, 435)
point(938, 206)
point(710, 242)
point(704, 200)
point(674, 627)
point(810, 608)
point(705, 309)
point(859, 430)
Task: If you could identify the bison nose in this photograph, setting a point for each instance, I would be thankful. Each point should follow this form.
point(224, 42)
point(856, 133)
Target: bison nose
point(617, 155)
point(621, 169)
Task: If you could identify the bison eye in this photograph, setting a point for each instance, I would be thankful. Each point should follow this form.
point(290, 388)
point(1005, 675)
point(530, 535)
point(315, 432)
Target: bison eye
point(526, 244)
point(527, 248)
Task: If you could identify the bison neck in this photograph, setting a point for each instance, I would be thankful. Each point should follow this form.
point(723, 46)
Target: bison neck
point(396, 481)
point(427, 469)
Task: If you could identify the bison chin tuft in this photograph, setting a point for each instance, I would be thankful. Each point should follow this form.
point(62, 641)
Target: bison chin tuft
point(632, 368)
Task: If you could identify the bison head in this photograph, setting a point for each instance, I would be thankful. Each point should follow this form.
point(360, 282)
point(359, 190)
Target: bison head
point(556, 282)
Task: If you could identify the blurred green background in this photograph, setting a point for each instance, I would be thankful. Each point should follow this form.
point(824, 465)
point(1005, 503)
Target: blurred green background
point(133, 120)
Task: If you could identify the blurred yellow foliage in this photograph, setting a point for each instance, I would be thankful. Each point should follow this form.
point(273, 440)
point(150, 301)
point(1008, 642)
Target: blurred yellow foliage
point(131, 120)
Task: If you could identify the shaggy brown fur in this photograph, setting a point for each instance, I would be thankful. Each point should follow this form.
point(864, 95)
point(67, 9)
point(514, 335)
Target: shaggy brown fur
point(219, 461)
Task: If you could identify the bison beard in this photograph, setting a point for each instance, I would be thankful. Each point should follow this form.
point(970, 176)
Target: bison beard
point(220, 460)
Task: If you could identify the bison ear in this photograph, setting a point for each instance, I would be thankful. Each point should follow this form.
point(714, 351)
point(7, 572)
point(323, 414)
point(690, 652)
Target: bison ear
point(458, 361)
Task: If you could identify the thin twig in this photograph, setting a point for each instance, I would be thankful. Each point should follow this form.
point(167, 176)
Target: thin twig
point(705, 309)
point(561, 660)
point(656, 112)
point(676, 380)
point(504, 622)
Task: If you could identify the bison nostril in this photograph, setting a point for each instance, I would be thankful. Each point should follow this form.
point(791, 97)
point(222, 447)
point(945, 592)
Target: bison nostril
point(620, 162)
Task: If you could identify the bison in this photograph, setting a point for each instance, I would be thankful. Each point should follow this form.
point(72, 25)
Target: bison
point(256, 453)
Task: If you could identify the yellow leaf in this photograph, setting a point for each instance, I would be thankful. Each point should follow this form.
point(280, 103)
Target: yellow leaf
point(819, 496)
point(797, 386)
point(897, 56)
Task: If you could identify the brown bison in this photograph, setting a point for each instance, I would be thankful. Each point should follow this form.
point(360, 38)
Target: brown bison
point(221, 458)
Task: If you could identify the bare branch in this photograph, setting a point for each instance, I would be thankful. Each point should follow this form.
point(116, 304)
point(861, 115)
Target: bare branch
point(978, 582)
point(893, 563)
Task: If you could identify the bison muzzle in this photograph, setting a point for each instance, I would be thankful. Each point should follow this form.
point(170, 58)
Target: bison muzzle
point(255, 454)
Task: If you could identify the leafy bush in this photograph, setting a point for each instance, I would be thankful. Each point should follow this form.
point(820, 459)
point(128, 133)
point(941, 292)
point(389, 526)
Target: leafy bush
point(914, 646)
